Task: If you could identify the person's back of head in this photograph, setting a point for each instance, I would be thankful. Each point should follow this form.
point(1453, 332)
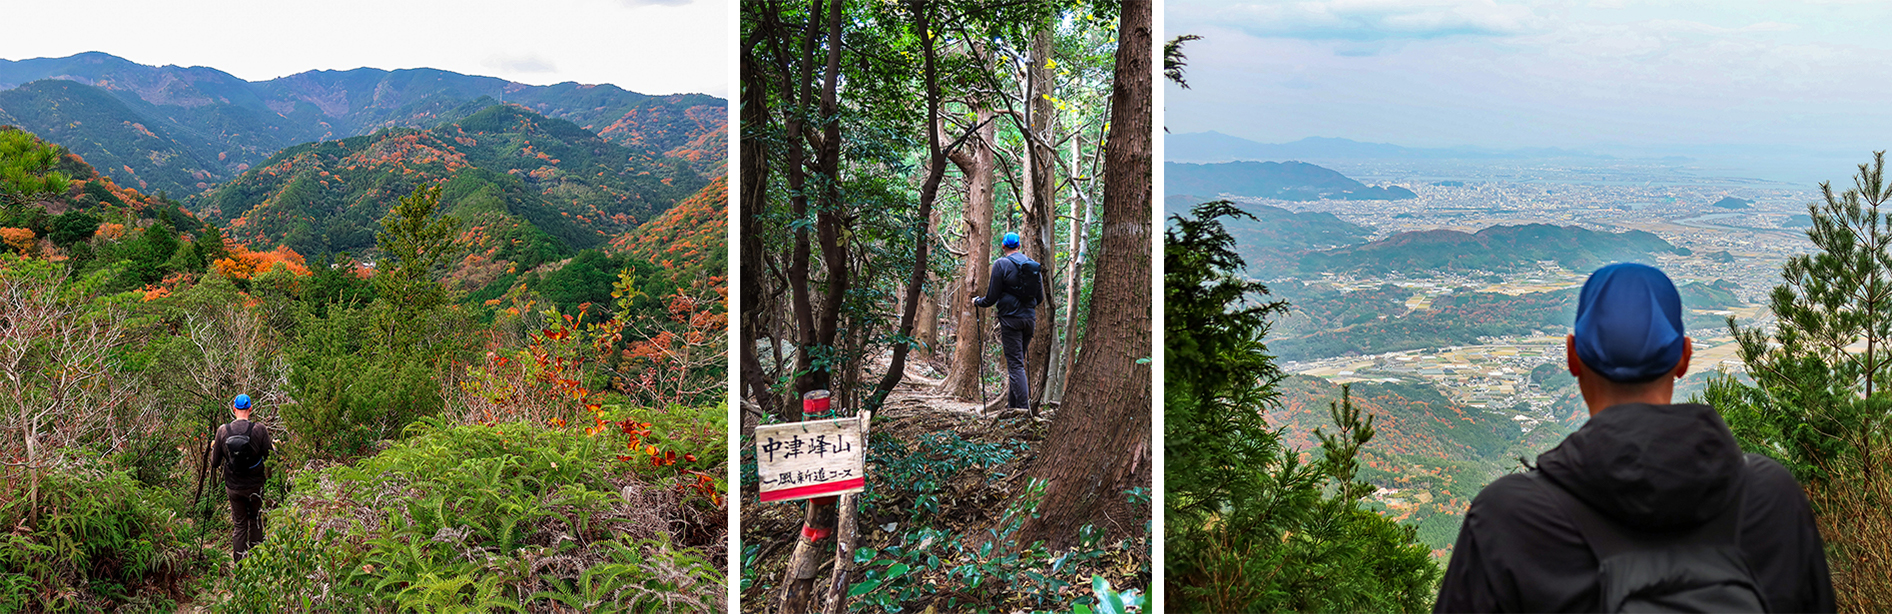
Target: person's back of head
point(1627, 343)
point(1645, 505)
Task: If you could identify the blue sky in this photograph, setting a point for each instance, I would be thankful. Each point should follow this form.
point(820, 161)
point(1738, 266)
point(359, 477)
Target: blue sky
point(1611, 76)
point(646, 46)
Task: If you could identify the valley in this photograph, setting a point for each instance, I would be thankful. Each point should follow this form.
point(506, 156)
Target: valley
point(1446, 313)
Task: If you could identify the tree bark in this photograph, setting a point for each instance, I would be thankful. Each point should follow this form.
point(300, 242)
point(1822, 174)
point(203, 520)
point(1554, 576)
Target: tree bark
point(800, 261)
point(975, 161)
point(1099, 445)
point(926, 328)
point(1079, 236)
point(754, 200)
point(846, 539)
point(799, 587)
point(1041, 217)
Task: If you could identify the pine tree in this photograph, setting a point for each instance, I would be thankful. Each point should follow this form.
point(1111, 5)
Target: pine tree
point(1818, 399)
point(1248, 526)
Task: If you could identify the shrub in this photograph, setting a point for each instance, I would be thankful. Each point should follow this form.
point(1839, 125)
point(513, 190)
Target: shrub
point(457, 518)
point(101, 540)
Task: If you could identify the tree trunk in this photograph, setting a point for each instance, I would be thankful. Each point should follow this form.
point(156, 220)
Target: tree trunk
point(926, 329)
point(1079, 235)
point(800, 261)
point(975, 161)
point(1041, 218)
point(754, 200)
point(1099, 444)
point(799, 586)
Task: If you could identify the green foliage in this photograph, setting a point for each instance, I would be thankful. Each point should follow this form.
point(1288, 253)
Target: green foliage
point(1814, 402)
point(27, 167)
point(1815, 405)
point(914, 478)
point(101, 540)
point(72, 227)
point(352, 391)
point(511, 517)
point(971, 571)
point(416, 245)
point(1249, 526)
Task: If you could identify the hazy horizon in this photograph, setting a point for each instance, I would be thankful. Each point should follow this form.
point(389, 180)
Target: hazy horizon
point(1786, 91)
point(585, 41)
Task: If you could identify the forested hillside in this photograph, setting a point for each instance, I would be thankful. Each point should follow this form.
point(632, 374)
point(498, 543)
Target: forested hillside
point(182, 130)
point(1498, 248)
point(528, 368)
point(518, 176)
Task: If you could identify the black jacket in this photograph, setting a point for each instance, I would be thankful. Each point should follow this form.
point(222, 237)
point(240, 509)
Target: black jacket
point(996, 293)
point(1650, 467)
point(235, 479)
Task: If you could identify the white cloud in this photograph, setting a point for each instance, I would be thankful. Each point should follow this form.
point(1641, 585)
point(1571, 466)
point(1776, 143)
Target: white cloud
point(638, 3)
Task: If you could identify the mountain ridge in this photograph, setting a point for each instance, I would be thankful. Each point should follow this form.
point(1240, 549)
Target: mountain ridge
point(238, 123)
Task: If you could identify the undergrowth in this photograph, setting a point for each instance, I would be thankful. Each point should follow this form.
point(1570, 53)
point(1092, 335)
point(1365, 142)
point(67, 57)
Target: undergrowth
point(512, 517)
point(101, 542)
point(923, 548)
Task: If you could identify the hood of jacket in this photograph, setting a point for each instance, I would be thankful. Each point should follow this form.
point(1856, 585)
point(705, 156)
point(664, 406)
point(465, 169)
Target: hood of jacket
point(1650, 467)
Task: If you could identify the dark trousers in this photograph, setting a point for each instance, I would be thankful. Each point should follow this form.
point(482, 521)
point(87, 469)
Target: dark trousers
point(246, 521)
point(1015, 334)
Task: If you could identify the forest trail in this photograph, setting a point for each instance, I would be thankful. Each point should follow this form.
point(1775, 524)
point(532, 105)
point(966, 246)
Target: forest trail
point(935, 461)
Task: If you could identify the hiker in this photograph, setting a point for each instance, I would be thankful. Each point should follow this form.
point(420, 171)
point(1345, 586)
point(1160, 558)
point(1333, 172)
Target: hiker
point(1650, 506)
point(240, 447)
point(1015, 290)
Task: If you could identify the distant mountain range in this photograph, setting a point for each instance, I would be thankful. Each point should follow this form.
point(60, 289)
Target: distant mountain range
point(1497, 248)
point(183, 130)
point(1297, 181)
point(1218, 147)
point(530, 187)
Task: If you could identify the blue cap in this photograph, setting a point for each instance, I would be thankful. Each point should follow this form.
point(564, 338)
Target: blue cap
point(1629, 323)
point(1011, 239)
point(242, 401)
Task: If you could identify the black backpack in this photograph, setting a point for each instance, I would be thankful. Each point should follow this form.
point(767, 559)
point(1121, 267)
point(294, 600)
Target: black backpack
point(1693, 570)
point(245, 454)
point(1025, 284)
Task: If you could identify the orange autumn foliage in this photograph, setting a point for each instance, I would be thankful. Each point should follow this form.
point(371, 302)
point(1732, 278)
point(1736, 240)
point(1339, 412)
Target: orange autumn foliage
point(20, 239)
point(245, 264)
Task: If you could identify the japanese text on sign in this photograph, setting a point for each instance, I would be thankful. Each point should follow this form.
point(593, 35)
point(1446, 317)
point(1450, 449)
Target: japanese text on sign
point(810, 459)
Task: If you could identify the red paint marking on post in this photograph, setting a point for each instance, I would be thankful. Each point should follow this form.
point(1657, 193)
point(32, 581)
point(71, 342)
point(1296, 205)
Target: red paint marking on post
point(815, 402)
point(814, 534)
point(812, 489)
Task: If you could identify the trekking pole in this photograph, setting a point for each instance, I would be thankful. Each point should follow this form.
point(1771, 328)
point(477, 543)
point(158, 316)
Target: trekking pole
point(978, 335)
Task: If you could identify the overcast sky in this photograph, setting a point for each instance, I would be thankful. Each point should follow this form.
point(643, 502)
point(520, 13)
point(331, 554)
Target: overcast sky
point(1600, 75)
point(646, 46)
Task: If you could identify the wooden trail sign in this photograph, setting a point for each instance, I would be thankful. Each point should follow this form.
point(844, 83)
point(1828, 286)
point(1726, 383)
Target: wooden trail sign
point(816, 458)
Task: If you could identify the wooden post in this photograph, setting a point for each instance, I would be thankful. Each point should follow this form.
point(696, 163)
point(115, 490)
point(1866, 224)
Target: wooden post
point(797, 594)
point(846, 539)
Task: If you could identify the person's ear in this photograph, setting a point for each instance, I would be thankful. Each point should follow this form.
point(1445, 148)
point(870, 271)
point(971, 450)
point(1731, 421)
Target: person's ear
point(1570, 356)
point(1688, 351)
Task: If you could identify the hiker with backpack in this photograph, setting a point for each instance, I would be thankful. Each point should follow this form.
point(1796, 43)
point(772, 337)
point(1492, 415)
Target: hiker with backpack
point(240, 447)
point(1015, 290)
point(1650, 506)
